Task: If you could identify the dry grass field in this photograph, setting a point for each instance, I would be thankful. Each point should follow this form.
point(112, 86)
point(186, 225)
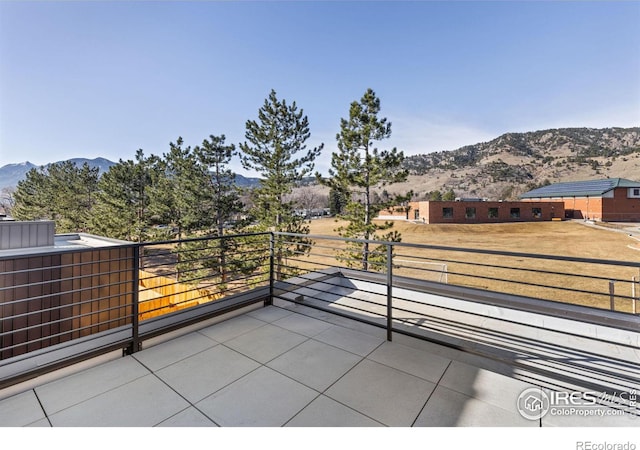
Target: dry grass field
point(496, 273)
point(562, 281)
point(552, 238)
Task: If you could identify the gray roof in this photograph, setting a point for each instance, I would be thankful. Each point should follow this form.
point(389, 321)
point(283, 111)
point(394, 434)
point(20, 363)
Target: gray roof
point(590, 188)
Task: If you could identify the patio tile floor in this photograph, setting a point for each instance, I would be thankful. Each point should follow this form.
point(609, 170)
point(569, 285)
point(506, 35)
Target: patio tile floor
point(281, 366)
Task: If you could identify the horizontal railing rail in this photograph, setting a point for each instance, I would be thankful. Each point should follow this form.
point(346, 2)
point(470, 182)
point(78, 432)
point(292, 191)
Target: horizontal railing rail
point(542, 276)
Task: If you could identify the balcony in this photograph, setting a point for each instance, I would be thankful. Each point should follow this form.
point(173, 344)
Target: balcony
point(159, 336)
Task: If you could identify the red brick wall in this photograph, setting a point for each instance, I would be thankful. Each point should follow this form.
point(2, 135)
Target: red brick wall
point(620, 207)
point(432, 212)
point(584, 207)
point(616, 208)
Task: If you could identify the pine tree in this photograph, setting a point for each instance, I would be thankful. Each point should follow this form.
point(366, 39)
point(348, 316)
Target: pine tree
point(449, 196)
point(276, 148)
point(86, 187)
point(195, 197)
point(61, 192)
point(178, 199)
point(122, 209)
point(221, 202)
point(359, 168)
point(337, 201)
point(181, 192)
point(33, 197)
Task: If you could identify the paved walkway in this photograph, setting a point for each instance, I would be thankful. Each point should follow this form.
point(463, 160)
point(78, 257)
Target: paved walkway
point(630, 229)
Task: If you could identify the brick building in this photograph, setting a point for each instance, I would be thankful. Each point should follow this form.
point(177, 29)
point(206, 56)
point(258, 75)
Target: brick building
point(477, 211)
point(609, 199)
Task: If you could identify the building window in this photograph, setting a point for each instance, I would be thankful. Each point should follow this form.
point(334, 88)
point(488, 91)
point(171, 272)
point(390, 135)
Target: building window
point(537, 213)
point(493, 213)
point(515, 213)
point(447, 213)
point(470, 213)
point(416, 214)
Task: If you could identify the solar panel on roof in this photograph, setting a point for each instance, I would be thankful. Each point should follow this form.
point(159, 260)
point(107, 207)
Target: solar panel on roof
point(574, 188)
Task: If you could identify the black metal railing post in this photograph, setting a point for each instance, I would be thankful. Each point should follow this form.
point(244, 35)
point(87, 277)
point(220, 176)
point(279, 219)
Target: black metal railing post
point(634, 300)
point(135, 298)
point(389, 291)
point(612, 295)
point(272, 247)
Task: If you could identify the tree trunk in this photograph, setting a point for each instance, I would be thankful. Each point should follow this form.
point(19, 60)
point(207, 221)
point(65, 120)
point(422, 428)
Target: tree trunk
point(367, 218)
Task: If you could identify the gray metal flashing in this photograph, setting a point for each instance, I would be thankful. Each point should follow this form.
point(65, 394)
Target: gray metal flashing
point(64, 243)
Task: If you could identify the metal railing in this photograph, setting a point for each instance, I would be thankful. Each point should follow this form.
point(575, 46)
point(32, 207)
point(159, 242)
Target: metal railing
point(591, 283)
point(62, 306)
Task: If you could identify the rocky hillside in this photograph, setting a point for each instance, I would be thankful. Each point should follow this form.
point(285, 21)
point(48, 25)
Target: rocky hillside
point(517, 162)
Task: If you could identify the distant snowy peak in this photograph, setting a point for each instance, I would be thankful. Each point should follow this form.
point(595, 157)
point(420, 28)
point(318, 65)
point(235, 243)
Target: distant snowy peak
point(20, 165)
point(11, 174)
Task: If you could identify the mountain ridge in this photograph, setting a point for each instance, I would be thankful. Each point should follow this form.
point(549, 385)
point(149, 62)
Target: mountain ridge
point(11, 174)
point(499, 169)
point(513, 163)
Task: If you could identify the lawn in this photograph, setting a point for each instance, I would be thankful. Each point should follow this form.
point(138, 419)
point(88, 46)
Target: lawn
point(571, 239)
point(551, 238)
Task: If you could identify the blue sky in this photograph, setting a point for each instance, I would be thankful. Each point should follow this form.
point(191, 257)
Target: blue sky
point(104, 78)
